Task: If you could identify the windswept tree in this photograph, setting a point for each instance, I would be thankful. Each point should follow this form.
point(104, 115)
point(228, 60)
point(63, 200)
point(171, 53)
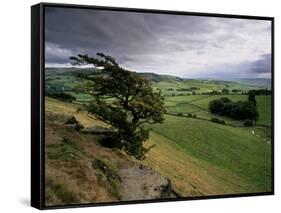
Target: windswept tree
point(123, 99)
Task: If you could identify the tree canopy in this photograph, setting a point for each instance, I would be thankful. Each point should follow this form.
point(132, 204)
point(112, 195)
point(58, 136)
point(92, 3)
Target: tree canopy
point(123, 99)
point(239, 110)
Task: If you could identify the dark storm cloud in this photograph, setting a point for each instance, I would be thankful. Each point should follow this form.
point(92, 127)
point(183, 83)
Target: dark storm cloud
point(170, 44)
point(262, 65)
point(123, 33)
point(119, 33)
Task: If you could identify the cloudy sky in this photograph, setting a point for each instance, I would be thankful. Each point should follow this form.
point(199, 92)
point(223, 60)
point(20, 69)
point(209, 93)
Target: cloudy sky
point(185, 46)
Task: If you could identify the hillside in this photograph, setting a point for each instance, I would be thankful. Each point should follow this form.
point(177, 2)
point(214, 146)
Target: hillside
point(256, 81)
point(80, 170)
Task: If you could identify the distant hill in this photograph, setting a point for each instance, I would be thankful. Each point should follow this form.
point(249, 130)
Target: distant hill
point(157, 78)
point(150, 76)
point(264, 82)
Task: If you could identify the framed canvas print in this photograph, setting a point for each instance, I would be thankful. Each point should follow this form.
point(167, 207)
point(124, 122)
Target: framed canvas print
point(134, 106)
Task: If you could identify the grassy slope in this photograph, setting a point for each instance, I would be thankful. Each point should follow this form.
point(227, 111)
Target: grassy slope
point(201, 158)
point(216, 159)
point(191, 176)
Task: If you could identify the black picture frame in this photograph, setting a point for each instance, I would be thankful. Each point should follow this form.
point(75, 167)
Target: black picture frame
point(38, 105)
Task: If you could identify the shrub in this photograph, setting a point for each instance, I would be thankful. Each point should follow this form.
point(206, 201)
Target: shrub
point(179, 114)
point(194, 116)
point(189, 115)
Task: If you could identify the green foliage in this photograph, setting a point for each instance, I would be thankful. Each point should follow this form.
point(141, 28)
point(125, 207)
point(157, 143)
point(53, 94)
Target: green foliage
point(123, 99)
point(239, 110)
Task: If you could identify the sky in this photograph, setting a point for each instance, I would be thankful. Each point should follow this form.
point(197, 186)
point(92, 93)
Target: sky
point(179, 45)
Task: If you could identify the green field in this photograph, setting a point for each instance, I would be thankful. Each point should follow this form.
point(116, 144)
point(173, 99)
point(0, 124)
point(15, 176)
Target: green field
point(234, 150)
point(264, 109)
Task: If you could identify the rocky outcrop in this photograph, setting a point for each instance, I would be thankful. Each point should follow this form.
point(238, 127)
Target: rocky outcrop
point(141, 183)
point(136, 182)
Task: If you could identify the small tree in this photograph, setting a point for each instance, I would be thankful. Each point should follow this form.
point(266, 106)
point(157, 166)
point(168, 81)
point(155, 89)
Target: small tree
point(123, 99)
